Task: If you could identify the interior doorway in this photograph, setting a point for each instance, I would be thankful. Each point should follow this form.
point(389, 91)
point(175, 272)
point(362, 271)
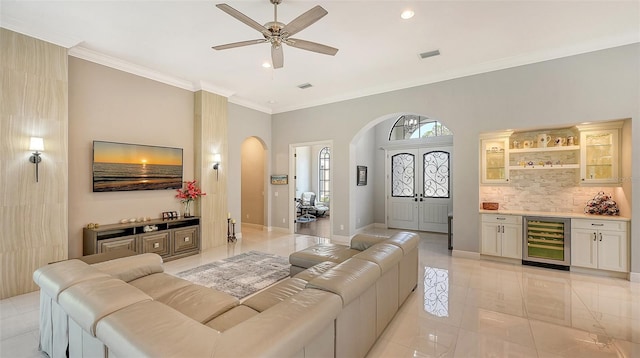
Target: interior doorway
point(311, 207)
point(253, 178)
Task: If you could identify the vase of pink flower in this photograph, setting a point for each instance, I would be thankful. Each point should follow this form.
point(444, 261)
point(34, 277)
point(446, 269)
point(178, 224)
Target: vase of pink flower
point(188, 194)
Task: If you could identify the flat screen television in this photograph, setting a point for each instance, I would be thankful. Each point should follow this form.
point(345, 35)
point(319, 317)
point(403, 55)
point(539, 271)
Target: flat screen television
point(125, 167)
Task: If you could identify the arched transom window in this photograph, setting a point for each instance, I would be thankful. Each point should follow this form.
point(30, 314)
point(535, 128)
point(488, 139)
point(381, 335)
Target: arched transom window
point(411, 126)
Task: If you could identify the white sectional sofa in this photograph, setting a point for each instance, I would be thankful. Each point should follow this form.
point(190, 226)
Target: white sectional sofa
point(129, 307)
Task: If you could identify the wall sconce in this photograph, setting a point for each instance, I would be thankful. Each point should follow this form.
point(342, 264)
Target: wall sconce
point(216, 163)
point(36, 144)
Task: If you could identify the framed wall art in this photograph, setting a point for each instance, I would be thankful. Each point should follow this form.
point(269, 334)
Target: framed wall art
point(362, 175)
point(279, 179)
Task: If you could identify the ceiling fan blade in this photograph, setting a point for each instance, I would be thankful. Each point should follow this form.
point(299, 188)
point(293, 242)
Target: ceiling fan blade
point(312, 46)
point(277, 56)
point(243, 18)
point(239, 44)
point(305, 20)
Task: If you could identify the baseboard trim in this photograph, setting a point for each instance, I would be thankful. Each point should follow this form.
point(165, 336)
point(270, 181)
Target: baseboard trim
point(278, 229)
point(466, 254)
point(634, 276)
point(254, 226)
point(341, 239)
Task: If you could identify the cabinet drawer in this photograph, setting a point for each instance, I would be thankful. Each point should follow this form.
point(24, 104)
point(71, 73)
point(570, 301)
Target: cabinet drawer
point(185, 239)
point(125, 242)
point(157, 243)
point(502, 219)
point(613, 225)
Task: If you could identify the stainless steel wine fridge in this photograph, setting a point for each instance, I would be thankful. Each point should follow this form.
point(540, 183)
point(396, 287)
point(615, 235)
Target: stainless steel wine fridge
point(547, 242)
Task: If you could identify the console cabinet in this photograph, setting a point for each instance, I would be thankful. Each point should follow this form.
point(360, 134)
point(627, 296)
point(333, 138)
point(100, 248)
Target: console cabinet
point(171, 239)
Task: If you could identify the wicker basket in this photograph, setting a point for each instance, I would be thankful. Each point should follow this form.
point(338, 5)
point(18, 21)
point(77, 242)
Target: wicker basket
point(489, 206)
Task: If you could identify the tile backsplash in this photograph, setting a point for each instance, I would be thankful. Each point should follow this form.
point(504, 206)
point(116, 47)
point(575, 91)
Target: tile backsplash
point(553, 190)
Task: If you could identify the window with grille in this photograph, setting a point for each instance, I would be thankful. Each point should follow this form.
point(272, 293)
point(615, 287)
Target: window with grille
point(324, 175)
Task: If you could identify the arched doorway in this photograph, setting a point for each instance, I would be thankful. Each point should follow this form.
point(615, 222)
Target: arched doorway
point(376, 137)
point(253, 178)
point(418, 159)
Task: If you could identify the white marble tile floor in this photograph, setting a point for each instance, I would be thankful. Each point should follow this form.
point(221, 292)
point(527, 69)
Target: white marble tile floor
point(461, 308)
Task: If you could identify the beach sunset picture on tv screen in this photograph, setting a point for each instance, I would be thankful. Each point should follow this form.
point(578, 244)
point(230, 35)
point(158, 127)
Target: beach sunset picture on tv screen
point(123, 167)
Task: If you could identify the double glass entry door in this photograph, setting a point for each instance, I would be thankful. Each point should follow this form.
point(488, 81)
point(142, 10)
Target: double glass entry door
point(419, 189)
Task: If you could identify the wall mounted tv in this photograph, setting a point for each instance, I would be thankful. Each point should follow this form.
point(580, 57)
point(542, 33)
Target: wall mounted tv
point(125, 167)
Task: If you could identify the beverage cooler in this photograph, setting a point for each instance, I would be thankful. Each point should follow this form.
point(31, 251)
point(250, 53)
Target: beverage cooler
point(547, 242)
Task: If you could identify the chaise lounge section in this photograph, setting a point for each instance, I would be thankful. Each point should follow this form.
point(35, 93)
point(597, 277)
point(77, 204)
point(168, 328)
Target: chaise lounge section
point(130, 307)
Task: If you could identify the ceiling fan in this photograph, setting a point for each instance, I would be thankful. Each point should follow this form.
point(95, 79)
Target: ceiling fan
point(277, 33)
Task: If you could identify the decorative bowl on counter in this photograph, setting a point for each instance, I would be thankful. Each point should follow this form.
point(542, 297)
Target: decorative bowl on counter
point(490, 205)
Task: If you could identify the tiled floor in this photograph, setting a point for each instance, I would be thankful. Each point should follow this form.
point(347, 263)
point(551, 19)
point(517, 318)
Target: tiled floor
point(461, 308)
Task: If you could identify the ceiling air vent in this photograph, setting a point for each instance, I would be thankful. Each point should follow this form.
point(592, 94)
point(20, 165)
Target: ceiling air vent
point(305, 86)
point(429, 54)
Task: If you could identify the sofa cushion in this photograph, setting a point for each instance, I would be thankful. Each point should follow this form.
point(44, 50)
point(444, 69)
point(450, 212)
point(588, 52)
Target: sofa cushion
point(159, 284)
point(348, 279)
point(387, 256)
point(89, 301)
point(198, 302)
point(59, 276)
point(231, 318)
point(282, 330)
point(275, 294)
point(315, 271)
point(132, 267)
point(316, 254)
point(362, 242)
point(407, 241)
point(153, 329)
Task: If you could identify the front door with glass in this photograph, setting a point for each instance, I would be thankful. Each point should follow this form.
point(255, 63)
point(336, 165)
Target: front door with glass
point(419, 189)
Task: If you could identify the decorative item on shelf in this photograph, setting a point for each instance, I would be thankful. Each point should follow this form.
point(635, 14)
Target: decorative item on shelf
point(93, 226)
point(189, 194)
point(571, 140)
point(490, 205)
point(516, 144)
point(527, 144)
point(602, 204)
point(543, 140)
point(150, 228)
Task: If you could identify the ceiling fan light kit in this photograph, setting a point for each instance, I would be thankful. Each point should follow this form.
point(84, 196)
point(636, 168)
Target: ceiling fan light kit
point(277, 33)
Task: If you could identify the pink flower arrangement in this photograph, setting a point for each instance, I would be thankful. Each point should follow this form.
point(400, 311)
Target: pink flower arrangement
point(190, 192)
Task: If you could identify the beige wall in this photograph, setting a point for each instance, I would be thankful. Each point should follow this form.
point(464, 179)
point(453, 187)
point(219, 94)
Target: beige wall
point(33, 216)
point(253, 174)
point(111, 105)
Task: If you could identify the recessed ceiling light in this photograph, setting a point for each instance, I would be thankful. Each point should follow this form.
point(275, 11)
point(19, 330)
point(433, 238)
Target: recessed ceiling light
point(266, 65)
point(407, 14)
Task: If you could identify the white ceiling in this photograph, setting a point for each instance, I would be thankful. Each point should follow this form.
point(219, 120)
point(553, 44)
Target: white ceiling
point(171, 41)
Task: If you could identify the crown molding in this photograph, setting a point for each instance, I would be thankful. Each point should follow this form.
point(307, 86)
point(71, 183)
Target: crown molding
point(250, 105)
point(206, 86)
point(116, 63)
point(56, 38)
point(486, 67)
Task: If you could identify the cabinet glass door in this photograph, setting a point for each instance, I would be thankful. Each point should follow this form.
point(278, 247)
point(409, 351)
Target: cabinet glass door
point(495, 161)
point(600, 155)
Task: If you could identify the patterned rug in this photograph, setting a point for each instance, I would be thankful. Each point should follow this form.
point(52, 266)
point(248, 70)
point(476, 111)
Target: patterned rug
point(240, 275)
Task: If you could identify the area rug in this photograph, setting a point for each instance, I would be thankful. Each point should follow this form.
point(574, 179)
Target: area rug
point(240, 275)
